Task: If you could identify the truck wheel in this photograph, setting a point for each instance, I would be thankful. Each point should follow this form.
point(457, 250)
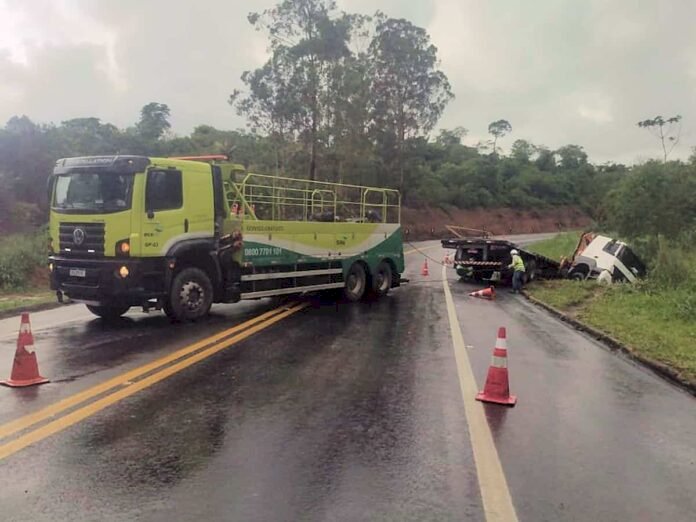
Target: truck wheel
point(108, 313)
point(191, 295)
point(356, 281)
point(578, 276)
point(382, 279)
point(579, 272)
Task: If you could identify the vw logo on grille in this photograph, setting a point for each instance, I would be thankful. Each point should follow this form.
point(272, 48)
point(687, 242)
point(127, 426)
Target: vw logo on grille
point(79, 236)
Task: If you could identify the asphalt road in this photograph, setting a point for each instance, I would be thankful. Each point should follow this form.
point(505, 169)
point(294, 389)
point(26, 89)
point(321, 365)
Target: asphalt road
point(339, 411)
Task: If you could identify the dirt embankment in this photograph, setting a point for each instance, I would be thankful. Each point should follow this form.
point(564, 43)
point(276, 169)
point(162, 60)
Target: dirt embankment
point(429, 223)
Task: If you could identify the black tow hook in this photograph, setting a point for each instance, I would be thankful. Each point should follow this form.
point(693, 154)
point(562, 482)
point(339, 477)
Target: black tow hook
point(404, 280)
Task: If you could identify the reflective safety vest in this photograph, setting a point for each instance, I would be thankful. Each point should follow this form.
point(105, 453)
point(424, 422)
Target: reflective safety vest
point(517, 263)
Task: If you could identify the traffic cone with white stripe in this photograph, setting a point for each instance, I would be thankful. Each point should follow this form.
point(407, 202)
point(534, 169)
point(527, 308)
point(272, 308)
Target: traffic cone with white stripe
point(486, 293)
point(25, 370)
point(497, 388)
point(424, 270)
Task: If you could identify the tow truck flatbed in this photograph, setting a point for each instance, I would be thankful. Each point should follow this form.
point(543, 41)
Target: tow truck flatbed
point(485, 259)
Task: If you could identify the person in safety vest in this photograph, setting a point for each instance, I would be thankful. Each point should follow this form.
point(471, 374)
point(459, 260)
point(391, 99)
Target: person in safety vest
point(518, 275)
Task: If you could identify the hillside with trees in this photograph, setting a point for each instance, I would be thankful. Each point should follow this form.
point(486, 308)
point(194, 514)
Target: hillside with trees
point(356, 99)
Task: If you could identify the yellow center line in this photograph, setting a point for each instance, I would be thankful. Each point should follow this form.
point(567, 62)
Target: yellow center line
point(49, 411)
point(497, 502)
point(92, 408)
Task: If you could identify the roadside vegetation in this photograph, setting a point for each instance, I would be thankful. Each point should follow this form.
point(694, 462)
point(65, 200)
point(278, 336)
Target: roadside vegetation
point(557, 247)
point(23, 273)
point(656, 318)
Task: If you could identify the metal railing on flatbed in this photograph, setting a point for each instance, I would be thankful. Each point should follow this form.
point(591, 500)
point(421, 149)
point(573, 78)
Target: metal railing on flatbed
point(275, 198)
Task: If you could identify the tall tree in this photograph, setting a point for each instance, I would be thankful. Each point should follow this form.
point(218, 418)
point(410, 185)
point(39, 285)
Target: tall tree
point(668, 131)
point(154, 121)
point(498, 129)
point(307, 39)
point(409, 92)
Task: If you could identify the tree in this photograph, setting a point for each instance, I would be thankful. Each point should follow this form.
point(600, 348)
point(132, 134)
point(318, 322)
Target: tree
point(450, 138)
point(154, 121)
point(668, 131)
point(522, 151)
point(307, 40)
point(87, 136)
point(498, 129)
point(545, 159)
point(409, 92)
point(572, 157)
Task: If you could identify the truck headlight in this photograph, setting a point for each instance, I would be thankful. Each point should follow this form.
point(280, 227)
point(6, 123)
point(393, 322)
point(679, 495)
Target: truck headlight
point(123, 248)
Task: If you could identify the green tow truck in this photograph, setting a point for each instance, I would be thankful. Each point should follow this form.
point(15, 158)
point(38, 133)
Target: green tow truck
point(181, 234)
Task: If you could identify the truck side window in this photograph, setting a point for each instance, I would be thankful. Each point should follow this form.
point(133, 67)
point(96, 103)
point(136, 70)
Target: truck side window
point(164, 190)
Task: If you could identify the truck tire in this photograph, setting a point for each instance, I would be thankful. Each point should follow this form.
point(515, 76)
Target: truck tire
point(579, 273)
point(356, 282)
point(108, 313)
point(382, 279)
point(190, 296)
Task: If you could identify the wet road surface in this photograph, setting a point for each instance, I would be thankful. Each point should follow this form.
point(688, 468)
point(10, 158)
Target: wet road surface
point(344, 412)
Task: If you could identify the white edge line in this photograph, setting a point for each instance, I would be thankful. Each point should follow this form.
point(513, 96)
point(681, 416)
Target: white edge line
point(497, 502)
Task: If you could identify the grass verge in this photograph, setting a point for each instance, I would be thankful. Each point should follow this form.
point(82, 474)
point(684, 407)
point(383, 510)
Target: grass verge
point(23, 273)
point(655, 323)
point(562, 245)
point(13, 301)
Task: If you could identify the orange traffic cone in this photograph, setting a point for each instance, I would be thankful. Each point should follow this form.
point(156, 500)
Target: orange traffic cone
point(497, 388)
point(425, 271)
point(25, 370)
point(486, 293)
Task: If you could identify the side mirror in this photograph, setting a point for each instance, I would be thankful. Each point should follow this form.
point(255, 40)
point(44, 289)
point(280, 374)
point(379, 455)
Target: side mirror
point(150, 214)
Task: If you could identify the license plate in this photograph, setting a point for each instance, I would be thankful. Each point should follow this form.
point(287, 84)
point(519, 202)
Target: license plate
point(77, 272)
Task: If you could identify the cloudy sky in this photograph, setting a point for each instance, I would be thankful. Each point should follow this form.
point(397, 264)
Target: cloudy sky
point(561, 71)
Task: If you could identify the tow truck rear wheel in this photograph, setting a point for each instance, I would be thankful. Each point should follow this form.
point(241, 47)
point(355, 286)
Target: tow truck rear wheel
point(191, 295)
point(108, 313)
point(356, 282)
point(382, 279)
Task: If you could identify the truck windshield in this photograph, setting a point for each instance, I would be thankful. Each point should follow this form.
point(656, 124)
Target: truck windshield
point(93, 192)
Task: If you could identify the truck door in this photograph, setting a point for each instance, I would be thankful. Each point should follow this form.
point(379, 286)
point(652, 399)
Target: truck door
point(165, 217)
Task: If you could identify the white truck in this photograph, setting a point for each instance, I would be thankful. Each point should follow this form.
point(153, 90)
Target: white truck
point(605, 259)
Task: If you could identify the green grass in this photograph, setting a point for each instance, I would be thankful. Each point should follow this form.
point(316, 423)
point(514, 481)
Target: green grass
point(646, 322)
point(655, 323)
point(22, 257)
point(562, 245)
point(561, 294)
point(18, 301)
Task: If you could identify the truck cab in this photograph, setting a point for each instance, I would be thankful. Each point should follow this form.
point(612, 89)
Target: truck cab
point(606, 259)
point(120, 227)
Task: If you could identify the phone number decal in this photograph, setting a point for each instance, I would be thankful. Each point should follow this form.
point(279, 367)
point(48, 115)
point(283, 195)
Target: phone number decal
point(263, 251)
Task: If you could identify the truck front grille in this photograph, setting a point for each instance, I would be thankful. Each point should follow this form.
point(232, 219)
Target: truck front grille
point(81, 239)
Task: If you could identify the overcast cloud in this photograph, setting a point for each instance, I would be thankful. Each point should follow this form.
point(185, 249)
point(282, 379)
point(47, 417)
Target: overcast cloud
point(561, 71)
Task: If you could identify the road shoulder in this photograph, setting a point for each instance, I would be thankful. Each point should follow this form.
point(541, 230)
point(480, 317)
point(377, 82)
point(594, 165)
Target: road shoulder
point(662, 370)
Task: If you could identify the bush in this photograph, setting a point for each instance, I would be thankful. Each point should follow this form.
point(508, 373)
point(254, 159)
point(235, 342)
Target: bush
point(20, 257)
point(673, 266)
